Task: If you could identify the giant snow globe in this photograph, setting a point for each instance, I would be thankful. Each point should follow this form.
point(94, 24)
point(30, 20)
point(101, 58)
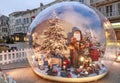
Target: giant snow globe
point(71, 42)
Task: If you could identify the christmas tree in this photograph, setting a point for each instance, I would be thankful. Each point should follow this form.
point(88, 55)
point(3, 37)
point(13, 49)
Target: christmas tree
point(54, 41)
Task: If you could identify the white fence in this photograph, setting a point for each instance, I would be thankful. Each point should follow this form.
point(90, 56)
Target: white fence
point(6, 79)
point(12, 56)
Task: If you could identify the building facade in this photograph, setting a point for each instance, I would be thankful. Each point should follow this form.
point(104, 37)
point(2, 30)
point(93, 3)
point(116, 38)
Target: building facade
point(57, 1)
point(19, 23)
point(21, 20)
point(111, 9)
point(4, 26)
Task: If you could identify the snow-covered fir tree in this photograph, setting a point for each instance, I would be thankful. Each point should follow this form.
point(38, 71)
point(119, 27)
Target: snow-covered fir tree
point(54, 38)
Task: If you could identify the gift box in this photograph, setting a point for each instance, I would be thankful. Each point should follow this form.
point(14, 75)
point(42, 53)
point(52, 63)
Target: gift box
point(66, 63)
point(94, 53)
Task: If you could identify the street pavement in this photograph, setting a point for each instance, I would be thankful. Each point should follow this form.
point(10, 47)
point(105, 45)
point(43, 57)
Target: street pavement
point(23, 73)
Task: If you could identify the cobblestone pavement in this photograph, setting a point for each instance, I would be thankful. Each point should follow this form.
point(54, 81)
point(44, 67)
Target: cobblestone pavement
point(24, 74)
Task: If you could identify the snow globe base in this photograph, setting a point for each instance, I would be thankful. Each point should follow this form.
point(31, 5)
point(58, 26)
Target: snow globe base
point(70, 75)
point(63, 79)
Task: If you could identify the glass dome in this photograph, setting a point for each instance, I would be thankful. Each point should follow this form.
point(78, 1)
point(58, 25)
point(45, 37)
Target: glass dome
point(71, 42)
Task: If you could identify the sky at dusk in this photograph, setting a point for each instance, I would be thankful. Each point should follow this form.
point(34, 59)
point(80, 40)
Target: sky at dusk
point(9, 6)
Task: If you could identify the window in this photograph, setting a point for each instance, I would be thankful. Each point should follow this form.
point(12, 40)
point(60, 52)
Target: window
point(31, 19)
point(18, 21)
point(18, 29)
point(9, 56)
point(26, 29)
point(27, 20)
point(119, 8)
point(4, 29)
point(99, 9)
point(109, 10)
point(24, 21)
point(1, 22)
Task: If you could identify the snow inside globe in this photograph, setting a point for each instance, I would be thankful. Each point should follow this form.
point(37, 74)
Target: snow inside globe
point(71, 42)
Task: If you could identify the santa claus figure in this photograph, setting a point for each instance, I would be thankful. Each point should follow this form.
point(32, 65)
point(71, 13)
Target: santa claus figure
point(73, 52)
point(75, 47)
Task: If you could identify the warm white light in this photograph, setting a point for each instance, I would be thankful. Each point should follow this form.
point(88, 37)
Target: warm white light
point(17, 38)
point(82, 59)
point(90, 64)
point(115, 23)
point(118, 58)
point(102, 62)
point(81, 67)
point(93, 64)
point(64, 67)
point(33, 57)
point(118, 44)
point(86, 72)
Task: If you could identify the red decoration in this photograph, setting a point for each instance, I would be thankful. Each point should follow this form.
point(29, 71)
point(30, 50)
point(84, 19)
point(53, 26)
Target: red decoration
point(79, 70)
point(90, 44)
point(33, 17)
point(66, 63)
point(69, 75)
point(73, 40)
point(94, 53)
point(55, 72)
